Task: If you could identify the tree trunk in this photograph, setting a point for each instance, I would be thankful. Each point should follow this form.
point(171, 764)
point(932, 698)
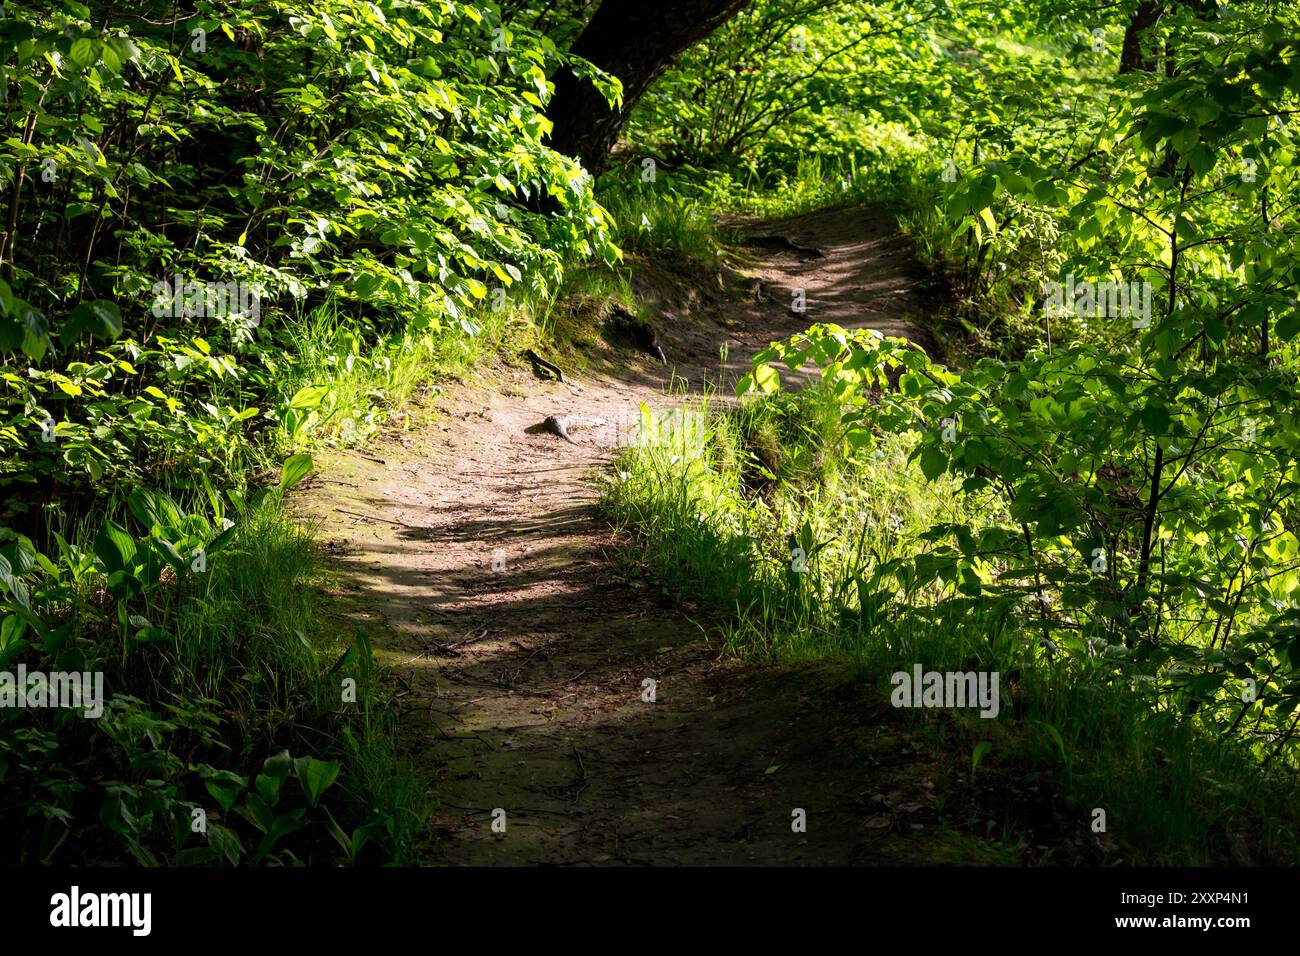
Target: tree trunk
point(1130, 58)
point(634, 40)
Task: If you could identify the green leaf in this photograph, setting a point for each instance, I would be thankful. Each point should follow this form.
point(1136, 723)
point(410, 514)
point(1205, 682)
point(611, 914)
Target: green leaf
point(1056, 739)
point(977, 755)
point(766, 378)
point(221, 540)
point(278, 766)
point(11, 335)
point(316, 776)
point(294, 470)
point(1156, 419)
point(268, 787)
point(933, 462)
point(84, 52)
point(309, 397)
point(144, 505)
point(100, 318)
point(35, 331)
point(358, 650)
point(1288, 325)
point(114, 547)
point(123, 47)
point(256, 812)
point(13, 586)
point(336, 831)
point(225, 788)
point(225, 842)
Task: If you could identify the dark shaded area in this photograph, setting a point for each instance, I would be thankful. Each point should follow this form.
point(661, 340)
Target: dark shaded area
point(636, 42)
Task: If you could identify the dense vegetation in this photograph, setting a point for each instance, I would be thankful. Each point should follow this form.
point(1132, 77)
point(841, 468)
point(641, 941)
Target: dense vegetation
point(235, 231)
point(1098, 498)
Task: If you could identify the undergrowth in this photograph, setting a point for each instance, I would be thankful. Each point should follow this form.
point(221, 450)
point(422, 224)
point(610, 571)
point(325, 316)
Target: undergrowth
point(763, 514)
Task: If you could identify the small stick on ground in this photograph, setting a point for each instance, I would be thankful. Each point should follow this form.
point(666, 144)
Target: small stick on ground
point(787, 243)
point(539, 362)
point(452, 647)
point(357, 514)
point(583, 767)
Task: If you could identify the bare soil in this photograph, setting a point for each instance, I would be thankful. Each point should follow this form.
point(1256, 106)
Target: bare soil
point(472, 551)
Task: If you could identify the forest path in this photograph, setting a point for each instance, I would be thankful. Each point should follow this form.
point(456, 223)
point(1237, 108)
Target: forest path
point(522, 688)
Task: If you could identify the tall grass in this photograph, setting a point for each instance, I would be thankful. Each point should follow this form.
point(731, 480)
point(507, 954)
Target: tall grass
point(663, 218)
point(728, 501)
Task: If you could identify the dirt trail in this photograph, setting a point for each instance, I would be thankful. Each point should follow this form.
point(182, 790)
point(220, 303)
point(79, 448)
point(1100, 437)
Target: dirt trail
point(522, 687)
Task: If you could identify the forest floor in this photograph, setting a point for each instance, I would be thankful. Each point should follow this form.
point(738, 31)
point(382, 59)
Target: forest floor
point(523, 688)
